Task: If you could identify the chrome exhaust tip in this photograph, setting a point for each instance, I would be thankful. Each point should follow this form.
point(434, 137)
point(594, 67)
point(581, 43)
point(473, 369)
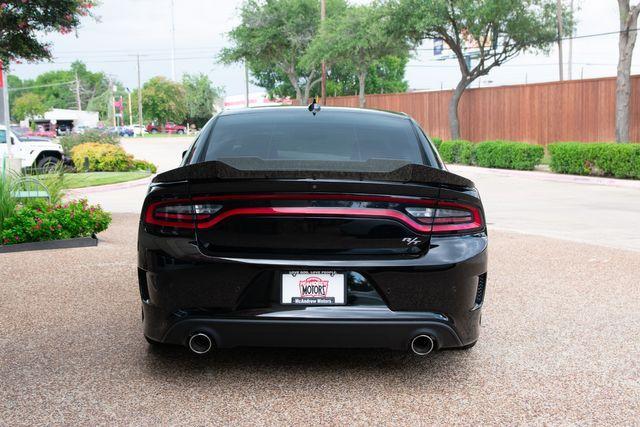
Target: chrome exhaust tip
point(200, 343)
point(422, 345)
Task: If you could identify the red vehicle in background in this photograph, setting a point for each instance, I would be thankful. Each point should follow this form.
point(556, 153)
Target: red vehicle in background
point(168, 128)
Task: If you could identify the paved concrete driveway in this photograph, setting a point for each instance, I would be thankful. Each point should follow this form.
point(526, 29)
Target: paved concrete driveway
point(559, 345)
point(582, 210)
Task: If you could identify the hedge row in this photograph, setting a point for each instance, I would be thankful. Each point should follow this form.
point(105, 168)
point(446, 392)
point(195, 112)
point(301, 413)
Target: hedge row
point(92, 156)
point(618, 160)
point(491, 154)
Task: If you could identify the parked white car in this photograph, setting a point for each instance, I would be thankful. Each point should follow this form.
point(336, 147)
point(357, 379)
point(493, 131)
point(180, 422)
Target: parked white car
point(32, 151)
point(138, 130)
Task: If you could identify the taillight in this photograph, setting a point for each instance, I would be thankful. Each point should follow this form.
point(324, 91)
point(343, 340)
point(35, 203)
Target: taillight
point(180, 214)
point(448, 217)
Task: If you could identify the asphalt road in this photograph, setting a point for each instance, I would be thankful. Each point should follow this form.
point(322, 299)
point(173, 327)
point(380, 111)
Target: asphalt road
point(559, 345)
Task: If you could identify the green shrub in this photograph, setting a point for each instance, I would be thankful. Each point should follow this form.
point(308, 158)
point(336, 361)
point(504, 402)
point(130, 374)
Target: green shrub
point(457, 151)
point(508, 155)
point(98, 157)
point(436, 142)
point(41, 221)
point(72, 140)
point(604, 159)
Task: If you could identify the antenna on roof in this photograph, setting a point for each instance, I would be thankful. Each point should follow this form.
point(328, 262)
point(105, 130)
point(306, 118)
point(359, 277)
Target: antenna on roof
point(314, 107)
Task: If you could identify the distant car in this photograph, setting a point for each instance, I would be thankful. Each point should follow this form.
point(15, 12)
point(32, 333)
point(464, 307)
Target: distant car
point(120, 130)
point(81, 129)
point(33, 151)
point(169, 127)
point(138, 130)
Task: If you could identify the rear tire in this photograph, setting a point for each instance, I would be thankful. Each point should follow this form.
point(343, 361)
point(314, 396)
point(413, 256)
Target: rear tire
point(47, 164)
point(180, 132)
point(154, 130)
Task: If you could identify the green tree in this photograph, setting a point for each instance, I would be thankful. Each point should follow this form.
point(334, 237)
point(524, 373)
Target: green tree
point(23, 22)
point(200, 95)
point(626, 42)
point(163, 101)
point(501, 29)
point(58, 89)
point(357, 38)
point(28, 105)
point(273, 36)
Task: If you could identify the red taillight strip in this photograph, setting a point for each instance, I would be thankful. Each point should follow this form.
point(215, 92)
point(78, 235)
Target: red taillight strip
point(310, 210)
point(476, 224)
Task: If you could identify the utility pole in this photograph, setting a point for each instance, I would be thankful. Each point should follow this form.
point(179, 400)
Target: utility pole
point(112, 101)
point(78, 93)
point(129, 103)
point(246, 84)
point(559, 19)
point(173, 44)
point(139, 99)
point(323, 84)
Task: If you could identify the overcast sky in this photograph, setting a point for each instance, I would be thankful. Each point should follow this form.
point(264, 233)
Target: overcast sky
point(128, 27)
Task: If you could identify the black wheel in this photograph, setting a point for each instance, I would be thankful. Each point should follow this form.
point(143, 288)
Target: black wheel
point(154, 130)
point(47, 164)
point(180, 132)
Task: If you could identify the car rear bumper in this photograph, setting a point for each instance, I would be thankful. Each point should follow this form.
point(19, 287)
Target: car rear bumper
point(235, 301)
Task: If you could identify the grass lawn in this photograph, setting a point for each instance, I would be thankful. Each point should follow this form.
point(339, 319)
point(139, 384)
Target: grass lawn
point(90, 179)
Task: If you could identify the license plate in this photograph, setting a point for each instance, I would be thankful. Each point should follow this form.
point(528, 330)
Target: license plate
point(313, 288)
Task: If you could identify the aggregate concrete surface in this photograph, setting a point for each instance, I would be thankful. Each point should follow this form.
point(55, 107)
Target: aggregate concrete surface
point(559, 345)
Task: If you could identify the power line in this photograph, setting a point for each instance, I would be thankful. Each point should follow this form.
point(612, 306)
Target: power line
point(39, 86)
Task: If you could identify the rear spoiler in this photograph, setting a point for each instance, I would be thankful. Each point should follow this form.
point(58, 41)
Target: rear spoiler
point(408, 173)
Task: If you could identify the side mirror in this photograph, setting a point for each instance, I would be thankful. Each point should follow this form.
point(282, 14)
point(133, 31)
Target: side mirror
point(13, 141)
point(184, 153)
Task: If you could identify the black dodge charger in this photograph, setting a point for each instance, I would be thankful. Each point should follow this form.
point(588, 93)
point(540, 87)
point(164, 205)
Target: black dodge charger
point(326, 228)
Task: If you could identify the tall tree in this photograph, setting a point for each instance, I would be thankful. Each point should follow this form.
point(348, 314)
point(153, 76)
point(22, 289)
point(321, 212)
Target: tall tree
point(626, 43)
point(163, 100)
point(386, 75)
point(497, 29)
point(273, 36)
point(28, 106)
point(22, 22)
point(200, 95)
point(358, 37)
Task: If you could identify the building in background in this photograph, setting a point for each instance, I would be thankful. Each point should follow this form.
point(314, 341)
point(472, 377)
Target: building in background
point(256, 99)
point(62, 120)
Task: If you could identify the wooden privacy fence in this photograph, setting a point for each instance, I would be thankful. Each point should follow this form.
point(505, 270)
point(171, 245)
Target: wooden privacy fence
point(576, 110)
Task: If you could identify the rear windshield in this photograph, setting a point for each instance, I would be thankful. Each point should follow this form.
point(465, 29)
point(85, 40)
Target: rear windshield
point(340, 137)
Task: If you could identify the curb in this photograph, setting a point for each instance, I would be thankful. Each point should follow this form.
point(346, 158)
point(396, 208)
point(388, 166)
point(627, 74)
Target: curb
point(548, 176)
point(111, 187)
point(78, 242)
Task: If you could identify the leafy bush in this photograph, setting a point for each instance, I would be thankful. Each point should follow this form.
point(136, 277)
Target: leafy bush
point(7, 203)
point(618, 160)
point(457, 151)
point(508, 155)
point(41, 221)
point(72, 140)
point(106, 158)
point(436, 142)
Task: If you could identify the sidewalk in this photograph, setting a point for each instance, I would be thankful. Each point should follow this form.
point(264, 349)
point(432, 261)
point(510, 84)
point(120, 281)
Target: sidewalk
point(546, 176)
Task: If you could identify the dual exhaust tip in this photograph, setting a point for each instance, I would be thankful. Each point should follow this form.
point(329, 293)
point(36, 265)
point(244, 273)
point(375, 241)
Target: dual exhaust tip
point(201, 343)
point(421, 345)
